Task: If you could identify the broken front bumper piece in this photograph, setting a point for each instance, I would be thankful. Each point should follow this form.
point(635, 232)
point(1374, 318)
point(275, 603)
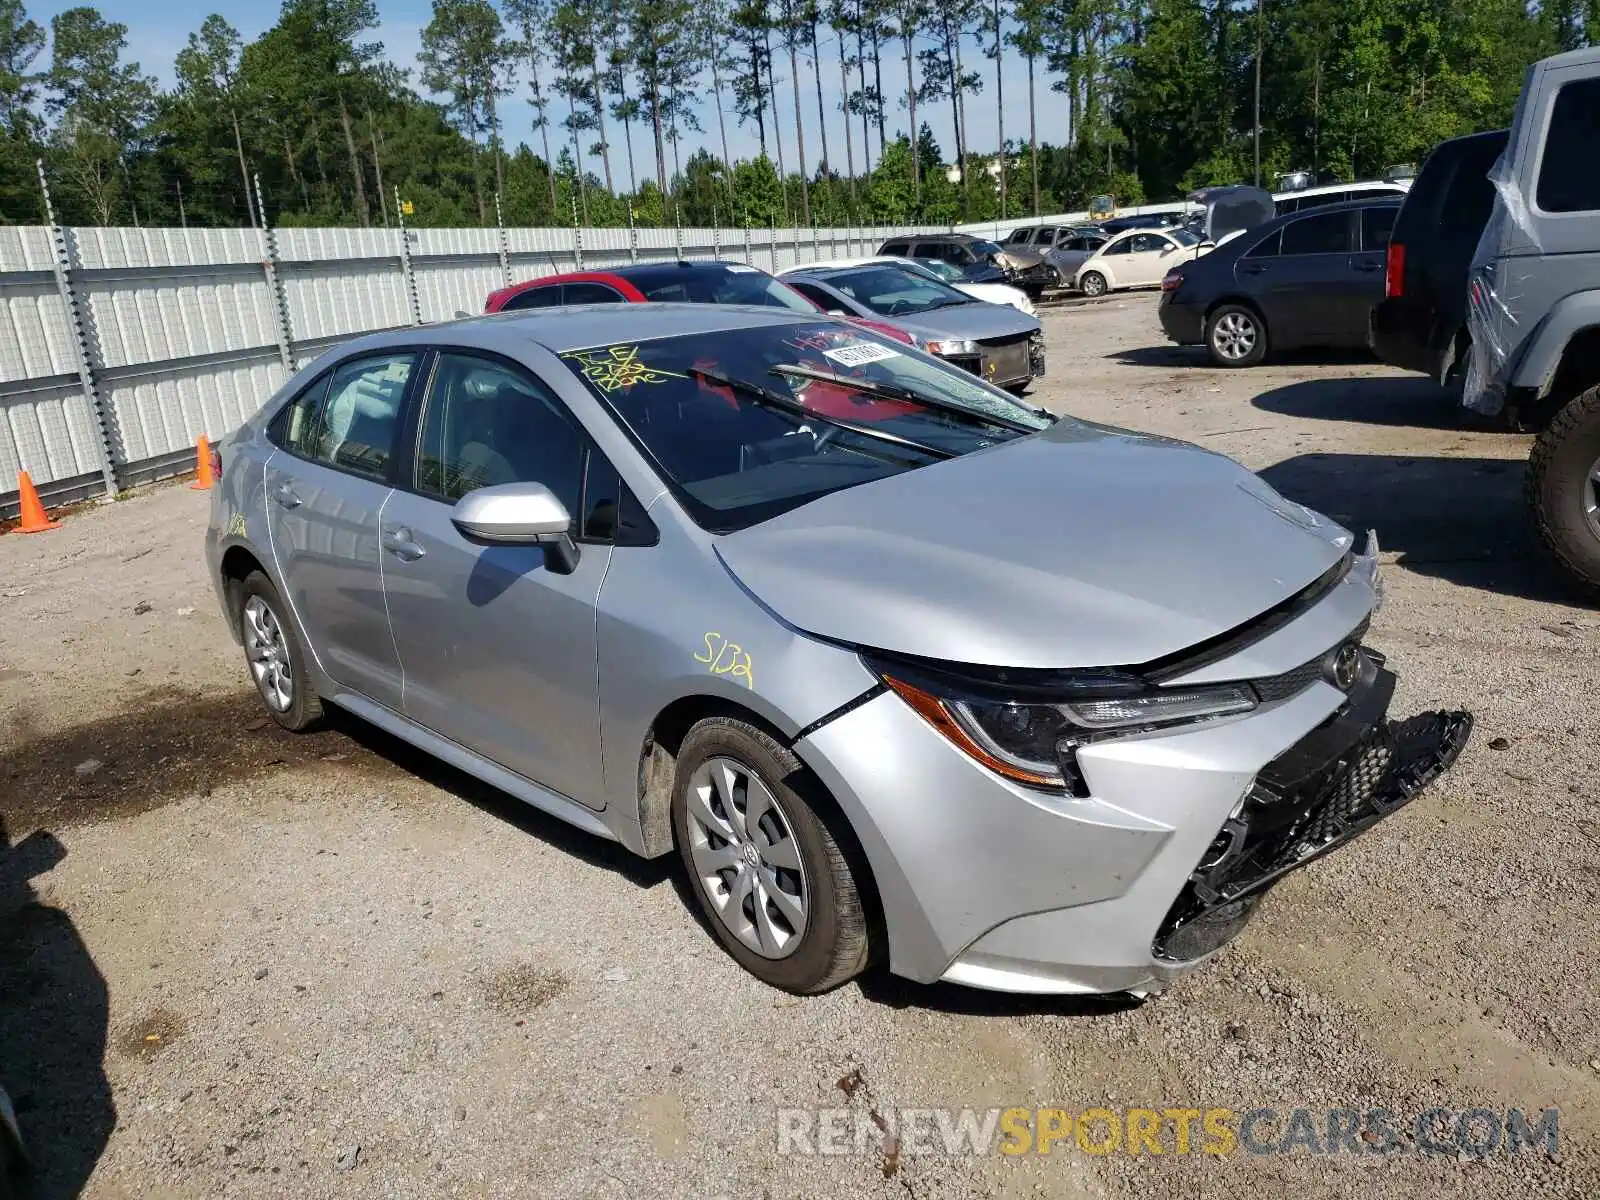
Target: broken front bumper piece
point(1334, 784)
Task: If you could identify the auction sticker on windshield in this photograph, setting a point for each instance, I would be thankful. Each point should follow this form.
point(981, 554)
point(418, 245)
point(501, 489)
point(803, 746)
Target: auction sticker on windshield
point(860, 354)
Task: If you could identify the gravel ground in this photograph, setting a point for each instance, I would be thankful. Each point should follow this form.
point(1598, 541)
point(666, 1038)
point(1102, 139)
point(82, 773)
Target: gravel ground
point(253, 964)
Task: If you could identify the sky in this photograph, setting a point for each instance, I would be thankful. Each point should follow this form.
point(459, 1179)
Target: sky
point(157, 32)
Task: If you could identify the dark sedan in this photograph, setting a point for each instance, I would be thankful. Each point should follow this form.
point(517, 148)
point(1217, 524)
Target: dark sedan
point(1304, 279)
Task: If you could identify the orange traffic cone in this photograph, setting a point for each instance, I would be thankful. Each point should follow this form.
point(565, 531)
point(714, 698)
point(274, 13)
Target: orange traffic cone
point(33, 518)
point(204, 477)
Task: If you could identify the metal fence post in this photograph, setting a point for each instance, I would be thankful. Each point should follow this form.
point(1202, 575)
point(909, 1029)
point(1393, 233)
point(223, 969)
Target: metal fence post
point(505, 246)
point(405, 261)
point(633, 236)
point(83, 339)
point(716, 233)
point(280, 299)
point(577, 233)
point(748, 257)
point(772, 241)
point(677, 229)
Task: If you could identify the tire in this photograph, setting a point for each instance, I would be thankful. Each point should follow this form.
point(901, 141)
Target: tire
point(1236, 336)
point(1562, 489)
point(281, 678)
point(719, 760)
point(1093, 284)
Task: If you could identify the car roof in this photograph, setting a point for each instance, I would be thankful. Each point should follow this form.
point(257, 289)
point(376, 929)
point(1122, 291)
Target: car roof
point(650, 272)
point(1322, 189)
point(935, 237)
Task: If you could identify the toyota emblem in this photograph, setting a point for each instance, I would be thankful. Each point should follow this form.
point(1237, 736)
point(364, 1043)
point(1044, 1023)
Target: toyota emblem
point(1344, 666)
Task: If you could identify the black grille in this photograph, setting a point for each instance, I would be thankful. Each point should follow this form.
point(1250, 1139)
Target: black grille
point(1290, 818)
point(1290, 683)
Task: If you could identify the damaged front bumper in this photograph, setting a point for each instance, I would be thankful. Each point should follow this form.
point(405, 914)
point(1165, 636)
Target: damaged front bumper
point(1331, 786)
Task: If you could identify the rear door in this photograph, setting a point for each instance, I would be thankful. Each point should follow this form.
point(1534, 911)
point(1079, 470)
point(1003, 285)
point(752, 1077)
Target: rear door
point(327, 485)
point(1364, 288)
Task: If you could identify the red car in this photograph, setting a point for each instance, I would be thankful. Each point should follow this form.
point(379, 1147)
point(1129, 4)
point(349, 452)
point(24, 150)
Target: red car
point(666, 283)
point(703, 283)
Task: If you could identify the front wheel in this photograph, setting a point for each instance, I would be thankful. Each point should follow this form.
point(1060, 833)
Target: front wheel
point(768, 872)
point(1236, 337)
point(1093, 284)
point(1564, 488)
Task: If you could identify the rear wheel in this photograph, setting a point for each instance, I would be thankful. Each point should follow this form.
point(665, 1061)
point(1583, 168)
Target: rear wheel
point(274, 656)
point(1092, 284)
point(768, 872)
point(1236, 337)
point(1564, 488)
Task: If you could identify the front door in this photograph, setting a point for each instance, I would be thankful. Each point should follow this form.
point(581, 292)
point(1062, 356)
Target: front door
point(327, 485)
point(499, 650)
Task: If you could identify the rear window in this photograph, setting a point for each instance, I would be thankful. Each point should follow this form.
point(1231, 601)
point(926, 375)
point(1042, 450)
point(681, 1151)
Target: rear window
point(1569, 172)
point(897, 249)
point(1326, 234)
point(546, 296)
point(1460, 209)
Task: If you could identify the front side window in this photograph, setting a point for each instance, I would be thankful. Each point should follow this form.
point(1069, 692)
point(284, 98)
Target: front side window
point(1120, 246)
point(1019, 237)
point(1377, 224)
point(741, 428)
point(356, 425)
point(896, 249)
point(1569, 169)
point(891, 292)
point(1326, 234)
point(488, 423)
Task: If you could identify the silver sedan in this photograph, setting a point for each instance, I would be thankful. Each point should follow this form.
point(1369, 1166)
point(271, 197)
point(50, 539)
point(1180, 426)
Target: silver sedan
point(901, 669)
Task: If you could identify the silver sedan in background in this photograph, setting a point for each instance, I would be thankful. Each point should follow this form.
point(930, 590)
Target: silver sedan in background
point(899, 668)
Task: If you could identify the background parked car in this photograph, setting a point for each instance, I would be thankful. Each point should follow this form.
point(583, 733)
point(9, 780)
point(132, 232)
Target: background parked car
point(1300, 199)
point(934, 268)
point(1420, 324)
point(978, 260)
point(1137, 258)
point(695, 282)
point(1001, 345)
point(1306, 279)
point(1118, 225)
point(1064, 247)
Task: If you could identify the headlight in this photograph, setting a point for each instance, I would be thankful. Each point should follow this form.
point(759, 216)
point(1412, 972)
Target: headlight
point(1036, 743)
point(952, 346)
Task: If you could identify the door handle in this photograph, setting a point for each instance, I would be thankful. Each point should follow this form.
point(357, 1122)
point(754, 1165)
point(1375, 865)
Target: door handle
point(1253, 269)
point(285, 495)
point(402, 545)
point(1367, 268)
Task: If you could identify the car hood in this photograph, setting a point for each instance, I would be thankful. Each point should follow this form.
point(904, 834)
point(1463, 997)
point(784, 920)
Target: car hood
point(977, 320)
point(1021, 258)
point(1079, 546)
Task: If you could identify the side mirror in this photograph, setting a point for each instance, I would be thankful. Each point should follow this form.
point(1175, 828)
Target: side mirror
point(519, 514)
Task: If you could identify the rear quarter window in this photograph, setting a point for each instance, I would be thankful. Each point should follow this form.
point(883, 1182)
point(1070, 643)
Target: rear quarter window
point(1569, 169)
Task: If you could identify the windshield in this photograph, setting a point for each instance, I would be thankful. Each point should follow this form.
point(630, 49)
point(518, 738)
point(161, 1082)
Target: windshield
point(1183, 237)
point(729, 285)
point(722, 427)
point(891, 292)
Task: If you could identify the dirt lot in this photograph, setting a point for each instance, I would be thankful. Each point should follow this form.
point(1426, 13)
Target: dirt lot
point(253, 953)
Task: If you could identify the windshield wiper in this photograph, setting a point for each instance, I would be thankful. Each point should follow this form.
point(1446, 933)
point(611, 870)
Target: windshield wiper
point(767, 397)
point(889, 391)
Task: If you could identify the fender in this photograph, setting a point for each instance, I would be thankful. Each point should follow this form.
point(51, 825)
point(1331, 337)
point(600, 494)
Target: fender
point(1541, 356)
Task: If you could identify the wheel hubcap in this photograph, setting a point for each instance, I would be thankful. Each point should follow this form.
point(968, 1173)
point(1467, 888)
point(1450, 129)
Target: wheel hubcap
point(1093, 285)
point(268, 654)
point(745, 858)
point(1234, 336)
point(1591, 498)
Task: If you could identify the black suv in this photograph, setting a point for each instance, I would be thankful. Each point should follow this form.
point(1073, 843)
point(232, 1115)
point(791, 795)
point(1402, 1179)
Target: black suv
point(976, 258)
point(1420, 324)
